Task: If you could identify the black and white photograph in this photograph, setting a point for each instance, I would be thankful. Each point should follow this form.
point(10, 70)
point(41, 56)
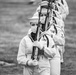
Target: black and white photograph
point(37, 37)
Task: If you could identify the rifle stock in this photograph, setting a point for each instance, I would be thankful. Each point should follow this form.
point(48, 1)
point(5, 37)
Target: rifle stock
point(38, 32)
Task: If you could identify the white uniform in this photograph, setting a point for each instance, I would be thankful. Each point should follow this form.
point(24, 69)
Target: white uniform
point(25, 52)
point(61, 48)
point(62, 8)
point(55, 65)
point(65, 5)
point(61, 14)
point(59, 23)
point(60, 35)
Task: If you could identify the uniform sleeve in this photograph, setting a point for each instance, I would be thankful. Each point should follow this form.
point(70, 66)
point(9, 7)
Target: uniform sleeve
point(21, 57)
point(66, 7)
point(59, 38)
point(63, 8)
point(49, 51)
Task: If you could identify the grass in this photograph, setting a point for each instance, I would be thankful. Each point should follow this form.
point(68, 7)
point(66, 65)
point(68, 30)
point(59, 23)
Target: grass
point(14, 24)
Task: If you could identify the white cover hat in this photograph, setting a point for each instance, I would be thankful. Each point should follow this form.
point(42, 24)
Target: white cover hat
point(44, 3)
point(34, 18)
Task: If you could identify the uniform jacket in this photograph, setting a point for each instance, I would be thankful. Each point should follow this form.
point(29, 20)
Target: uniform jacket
point(62, 8)
point(25, 51)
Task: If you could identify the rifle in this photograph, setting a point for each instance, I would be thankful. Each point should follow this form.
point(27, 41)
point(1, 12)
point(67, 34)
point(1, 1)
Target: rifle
point(38, 32)
point(49, 8)
point(35, 52)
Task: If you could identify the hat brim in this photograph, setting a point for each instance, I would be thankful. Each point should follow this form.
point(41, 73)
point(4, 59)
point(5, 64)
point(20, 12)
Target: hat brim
point(35, 20)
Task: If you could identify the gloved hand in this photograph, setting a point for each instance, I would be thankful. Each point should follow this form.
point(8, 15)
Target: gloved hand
point(32, 62)
point(38, 44)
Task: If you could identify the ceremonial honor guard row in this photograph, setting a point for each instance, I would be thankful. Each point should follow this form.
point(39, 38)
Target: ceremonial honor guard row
point(41, 50)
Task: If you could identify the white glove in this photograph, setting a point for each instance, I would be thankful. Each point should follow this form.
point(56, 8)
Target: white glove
point(32, 62)
point(38, 44)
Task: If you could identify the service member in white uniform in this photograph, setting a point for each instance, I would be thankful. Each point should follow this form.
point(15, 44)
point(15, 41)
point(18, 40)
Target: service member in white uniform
point(42, 65)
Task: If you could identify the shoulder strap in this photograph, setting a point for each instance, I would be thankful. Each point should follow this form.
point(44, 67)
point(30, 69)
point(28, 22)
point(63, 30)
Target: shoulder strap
point(47, 40)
